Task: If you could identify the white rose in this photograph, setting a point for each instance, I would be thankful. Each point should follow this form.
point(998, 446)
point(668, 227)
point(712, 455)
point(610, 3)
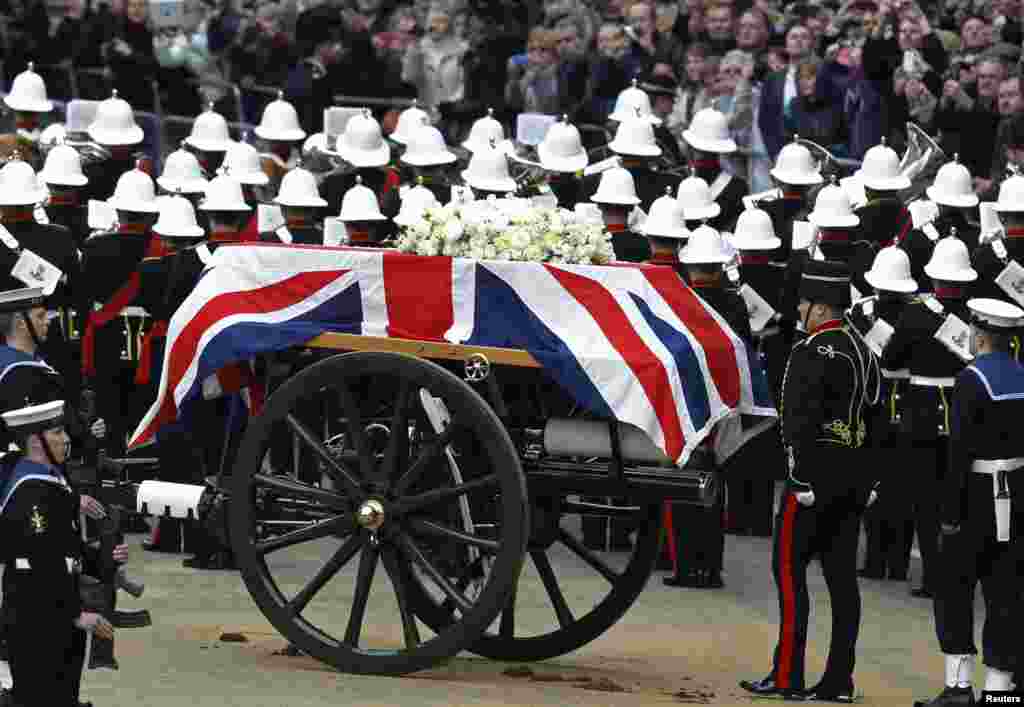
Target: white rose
point(453, 231)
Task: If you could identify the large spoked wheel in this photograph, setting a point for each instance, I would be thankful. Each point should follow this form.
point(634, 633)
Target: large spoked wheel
point(350, 458)
point(551, 614)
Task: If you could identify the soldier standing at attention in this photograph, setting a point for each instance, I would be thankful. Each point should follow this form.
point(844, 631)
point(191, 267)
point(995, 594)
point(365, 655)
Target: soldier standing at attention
point(981, 530)
point(919, 346)
point(831, 380)
point(42, 550)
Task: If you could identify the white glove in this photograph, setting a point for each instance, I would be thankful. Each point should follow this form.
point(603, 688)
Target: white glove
point(805, 498)
point(94, 623)
point(99, 429)
point(91, 507)
point(872, 497)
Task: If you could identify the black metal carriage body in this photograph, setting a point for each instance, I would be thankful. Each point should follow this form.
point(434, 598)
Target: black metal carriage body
point(451, 509)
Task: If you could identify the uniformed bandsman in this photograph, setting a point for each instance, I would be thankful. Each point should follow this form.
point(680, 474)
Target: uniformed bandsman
point(884, 220)
point(368, 157)
point(953, 194)
point(709, 138)
point(30, 104)
point(242, 163)
point(365, 225)
point(279, 128)
point(488, 174)
point(616, 197)
point(42, 552)
point(415, 201)
point(830, 383)
point(982, 511)
point(837, 235)
point(564, 157)
point(209, 139)
point(110, 284)
point(300, 202)
point(62, 173)
point(55, 245)
point(426, 156)
point(761, 276)
point(113, 128)
point(634, 142)
point(665, 231)
point(888, 523)
point(929, 345)
point(184, 176)
point(699, 534)
point(1003, 255)
point(699, 206)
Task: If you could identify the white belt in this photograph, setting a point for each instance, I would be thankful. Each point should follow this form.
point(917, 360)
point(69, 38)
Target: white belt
point(22, 563)
point(901, 374)
point(129, 311)
point(994, 466)
point(930, 382)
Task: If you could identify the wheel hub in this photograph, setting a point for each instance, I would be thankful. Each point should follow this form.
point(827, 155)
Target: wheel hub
point(370, 514)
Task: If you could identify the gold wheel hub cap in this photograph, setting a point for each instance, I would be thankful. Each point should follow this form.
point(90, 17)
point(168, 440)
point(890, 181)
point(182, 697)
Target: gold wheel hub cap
point(370, 514)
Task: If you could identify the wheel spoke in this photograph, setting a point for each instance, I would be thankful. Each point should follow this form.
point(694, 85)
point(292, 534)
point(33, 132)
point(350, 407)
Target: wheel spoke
point(435, 496)
point(415, 554)
point(430, 527)
point(393, 566)
point(367, 465)
point(321, 529)
point(507, 627)
point(587, 556)
point(289, 486)
point(364, 580)
point(547, 576)
point(334, 565)
point(336, 471)
point(397, 454)
point(426, 456)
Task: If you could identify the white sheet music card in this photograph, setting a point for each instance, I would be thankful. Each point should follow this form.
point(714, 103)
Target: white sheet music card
point(40, 214)
point(955, 335)
point(268, 218)
point(1011, 281)
point(922, 212)
point(803, 234)
point(35, 271)
point(7, 239)
point(758, 309)
point(750, 200)
point(532, 127)
point(102, 216)
point(602, 166)
point(334, 231)
point(878, 336)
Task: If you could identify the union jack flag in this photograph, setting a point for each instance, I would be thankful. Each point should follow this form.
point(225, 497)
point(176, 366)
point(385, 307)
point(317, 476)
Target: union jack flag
point(626, 342)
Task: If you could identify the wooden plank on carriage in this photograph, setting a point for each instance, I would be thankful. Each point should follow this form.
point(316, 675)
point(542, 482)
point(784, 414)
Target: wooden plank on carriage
point(424, 349)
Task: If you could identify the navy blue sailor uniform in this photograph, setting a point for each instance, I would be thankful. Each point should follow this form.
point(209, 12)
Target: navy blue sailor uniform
point(42, 552)
point(830, 379)
point(924, 419)
point(986, 461)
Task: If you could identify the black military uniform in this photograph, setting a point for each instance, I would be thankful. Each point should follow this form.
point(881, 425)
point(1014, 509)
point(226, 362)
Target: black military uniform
point(103, 174)
point(567, 188)
point(924, 423)
point(990, 259)
point(66, 209)
point(830, 382)
point(884, 220)
point(42, 553)
point(986, 458)
point(650, 182)
point(888, 524)
point(308, 233)
point(920, 242)
point(109, 342)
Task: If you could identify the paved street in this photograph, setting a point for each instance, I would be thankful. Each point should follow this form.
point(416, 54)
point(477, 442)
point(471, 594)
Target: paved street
point(694, 643)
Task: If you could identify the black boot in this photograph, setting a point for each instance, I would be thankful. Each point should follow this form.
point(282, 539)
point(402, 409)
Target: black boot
point(766, 687)
point(950, 697)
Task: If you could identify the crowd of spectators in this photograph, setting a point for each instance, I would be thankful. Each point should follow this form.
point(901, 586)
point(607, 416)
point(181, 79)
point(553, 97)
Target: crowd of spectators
point(846, 76)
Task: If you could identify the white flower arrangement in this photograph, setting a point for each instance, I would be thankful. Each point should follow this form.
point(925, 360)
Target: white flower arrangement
point(508, 229)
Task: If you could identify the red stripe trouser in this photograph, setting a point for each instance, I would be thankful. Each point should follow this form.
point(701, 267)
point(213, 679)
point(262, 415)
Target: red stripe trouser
point(828, 529)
